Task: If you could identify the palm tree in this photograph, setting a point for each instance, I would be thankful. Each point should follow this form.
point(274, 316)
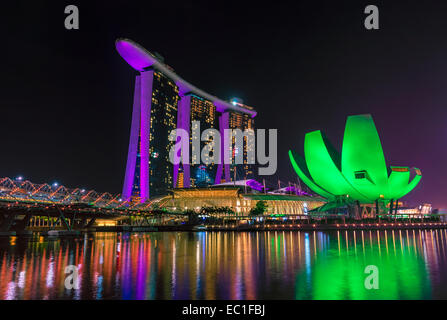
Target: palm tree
point(259, 209)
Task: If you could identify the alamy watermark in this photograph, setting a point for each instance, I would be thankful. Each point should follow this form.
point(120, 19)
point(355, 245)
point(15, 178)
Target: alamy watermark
point(72, 279)
point(72, 20)
point(372, 20)
point(372, 280)
point(228, 149)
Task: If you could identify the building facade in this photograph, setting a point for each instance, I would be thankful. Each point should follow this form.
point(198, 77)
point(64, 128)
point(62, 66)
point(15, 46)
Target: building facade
point(243, 122)
point(241, 203)
point(203, 114)
point(163, 102)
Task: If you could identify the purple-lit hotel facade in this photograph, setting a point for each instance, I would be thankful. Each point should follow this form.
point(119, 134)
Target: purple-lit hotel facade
point(138, 169)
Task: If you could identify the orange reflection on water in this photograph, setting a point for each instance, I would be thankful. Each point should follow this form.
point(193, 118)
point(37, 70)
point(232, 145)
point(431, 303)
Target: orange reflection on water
point(218, 265)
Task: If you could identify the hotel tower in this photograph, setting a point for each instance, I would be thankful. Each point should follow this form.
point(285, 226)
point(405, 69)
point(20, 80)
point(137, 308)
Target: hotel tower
point(163, 102)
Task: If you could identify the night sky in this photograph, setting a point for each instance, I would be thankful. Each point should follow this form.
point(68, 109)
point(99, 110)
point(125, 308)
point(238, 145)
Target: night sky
point(66, 95)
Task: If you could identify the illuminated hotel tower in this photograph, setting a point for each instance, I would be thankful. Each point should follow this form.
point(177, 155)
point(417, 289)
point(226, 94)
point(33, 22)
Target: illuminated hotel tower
point(162, 102)
point(204, 113)
point(242, 121)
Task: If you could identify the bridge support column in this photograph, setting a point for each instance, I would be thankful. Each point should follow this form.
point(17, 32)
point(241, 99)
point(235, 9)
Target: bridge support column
point(64, 221)
point(85, 223)
point(20, 225)
point(6, 222)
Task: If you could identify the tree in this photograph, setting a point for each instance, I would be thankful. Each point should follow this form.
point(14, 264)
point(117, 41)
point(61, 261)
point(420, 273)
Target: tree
point(228, 211)
point(259, 209)
point(193, 217)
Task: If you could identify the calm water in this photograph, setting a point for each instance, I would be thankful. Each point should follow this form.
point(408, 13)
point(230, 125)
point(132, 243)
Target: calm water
point(225, 265)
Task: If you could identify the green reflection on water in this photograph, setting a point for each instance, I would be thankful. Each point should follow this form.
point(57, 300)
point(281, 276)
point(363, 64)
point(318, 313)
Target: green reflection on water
point(228, 265)
point(338, 272)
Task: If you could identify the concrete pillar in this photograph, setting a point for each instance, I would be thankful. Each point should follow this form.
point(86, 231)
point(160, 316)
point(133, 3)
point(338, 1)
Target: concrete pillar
point(184, 122)
point(133, 143)
point(224, 123)
point(147, 78)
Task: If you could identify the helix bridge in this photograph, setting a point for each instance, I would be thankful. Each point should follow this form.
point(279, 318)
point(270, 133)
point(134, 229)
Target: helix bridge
point(20, 200)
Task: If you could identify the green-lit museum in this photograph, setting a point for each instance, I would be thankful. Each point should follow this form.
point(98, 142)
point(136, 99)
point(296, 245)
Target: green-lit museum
point(359, 174)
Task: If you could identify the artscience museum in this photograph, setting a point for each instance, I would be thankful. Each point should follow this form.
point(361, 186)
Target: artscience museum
point(359, 174)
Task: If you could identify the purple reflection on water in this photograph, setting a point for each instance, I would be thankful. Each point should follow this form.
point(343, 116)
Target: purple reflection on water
point(226, 265)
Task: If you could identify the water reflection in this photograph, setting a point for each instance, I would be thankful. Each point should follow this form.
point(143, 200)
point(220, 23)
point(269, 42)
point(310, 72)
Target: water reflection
point(226, 265)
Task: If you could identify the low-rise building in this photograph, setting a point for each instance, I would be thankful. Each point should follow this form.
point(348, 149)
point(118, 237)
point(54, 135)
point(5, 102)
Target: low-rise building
point(240, 200)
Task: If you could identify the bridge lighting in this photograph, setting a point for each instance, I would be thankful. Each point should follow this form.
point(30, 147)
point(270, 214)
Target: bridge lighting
point(83, 190)
point(55, 184)
point(19, 178)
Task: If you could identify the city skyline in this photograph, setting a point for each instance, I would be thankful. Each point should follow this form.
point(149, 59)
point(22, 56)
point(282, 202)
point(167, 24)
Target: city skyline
point(220, 159)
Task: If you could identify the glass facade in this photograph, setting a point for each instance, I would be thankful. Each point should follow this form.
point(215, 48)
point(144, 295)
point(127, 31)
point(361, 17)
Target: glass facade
point(203, 112)
point(165, 101)
point(163, 118)
point(163, 121)
point(243, 122)
point(241, 203)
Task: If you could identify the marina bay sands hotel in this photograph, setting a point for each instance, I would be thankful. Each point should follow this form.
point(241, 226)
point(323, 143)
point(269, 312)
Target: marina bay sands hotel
point(163, 102)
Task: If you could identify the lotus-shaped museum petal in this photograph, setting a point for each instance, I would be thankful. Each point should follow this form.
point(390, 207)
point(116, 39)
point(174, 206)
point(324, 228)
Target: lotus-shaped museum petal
point(360, 172)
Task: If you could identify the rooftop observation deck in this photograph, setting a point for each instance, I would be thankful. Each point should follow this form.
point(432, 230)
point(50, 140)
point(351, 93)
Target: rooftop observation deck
point(141, 60)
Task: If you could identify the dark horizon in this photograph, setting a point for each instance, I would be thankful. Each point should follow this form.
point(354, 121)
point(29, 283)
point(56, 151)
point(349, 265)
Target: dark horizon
point(67, 95)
